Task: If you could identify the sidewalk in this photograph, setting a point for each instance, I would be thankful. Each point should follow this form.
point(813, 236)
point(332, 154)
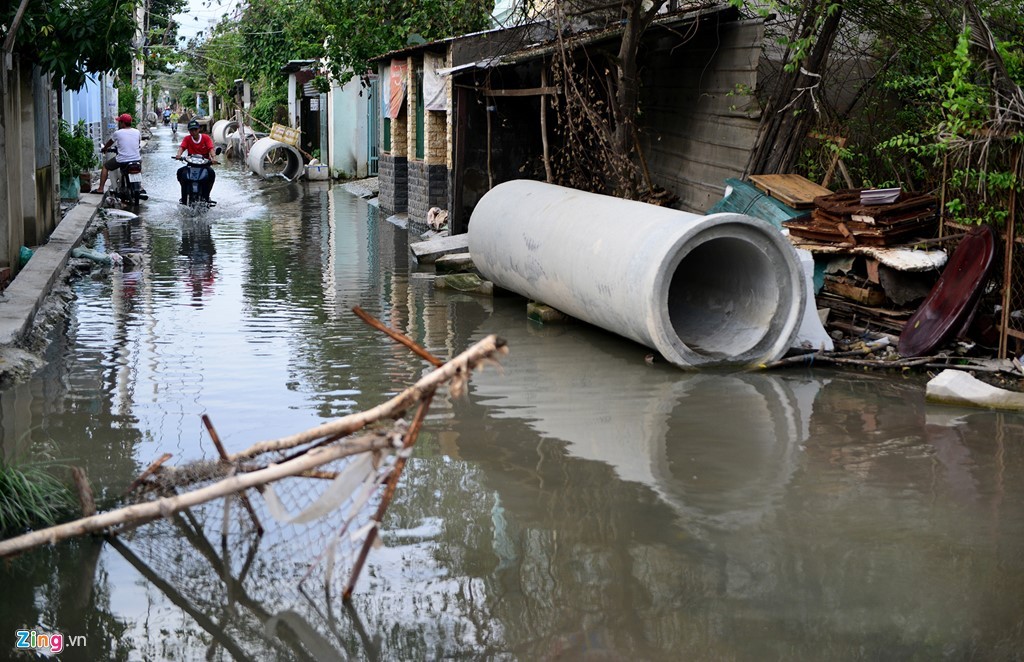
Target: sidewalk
point(22, 298)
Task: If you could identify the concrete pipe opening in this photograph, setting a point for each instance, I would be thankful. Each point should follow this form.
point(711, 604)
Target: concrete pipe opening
point(725, 289)
point(220, 130)
point(721, 298)
point(271, 158)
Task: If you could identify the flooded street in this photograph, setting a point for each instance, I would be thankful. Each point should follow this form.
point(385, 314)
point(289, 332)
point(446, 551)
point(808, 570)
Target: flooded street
point(577, 504)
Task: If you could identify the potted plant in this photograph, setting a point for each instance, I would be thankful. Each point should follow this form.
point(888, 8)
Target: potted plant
point(77, 154)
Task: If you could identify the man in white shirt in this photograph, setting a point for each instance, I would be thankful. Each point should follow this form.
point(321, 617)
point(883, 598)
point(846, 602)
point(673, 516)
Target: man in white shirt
point(129, 148)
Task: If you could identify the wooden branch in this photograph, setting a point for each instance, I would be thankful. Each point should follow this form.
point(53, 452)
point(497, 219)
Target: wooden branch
point(548, 175)
point(967, 367)
point(144, 512)
point(224, 457)
point(459, 367)
point(15, 24)
point(487, 349)
point(398, 337)
point(389, 494)
point(85, 496)
point(150, 470)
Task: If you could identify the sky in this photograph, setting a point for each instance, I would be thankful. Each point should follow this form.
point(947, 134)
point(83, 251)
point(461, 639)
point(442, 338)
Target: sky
point(201, 14)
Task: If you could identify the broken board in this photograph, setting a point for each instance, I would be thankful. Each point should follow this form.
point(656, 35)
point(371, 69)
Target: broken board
point(794, 190)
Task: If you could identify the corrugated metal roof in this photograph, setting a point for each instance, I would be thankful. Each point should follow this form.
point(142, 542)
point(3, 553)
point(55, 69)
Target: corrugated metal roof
point(582, 38)
point(296, 65)
point(601, 34)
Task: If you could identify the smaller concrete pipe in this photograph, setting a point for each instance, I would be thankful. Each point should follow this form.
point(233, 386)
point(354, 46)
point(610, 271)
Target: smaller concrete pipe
point(264, 150)
point(220, 131)
point(725, 289)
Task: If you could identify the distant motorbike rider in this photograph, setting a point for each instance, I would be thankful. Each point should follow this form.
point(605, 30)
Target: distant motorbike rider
point(128, 142)
point(202, 145)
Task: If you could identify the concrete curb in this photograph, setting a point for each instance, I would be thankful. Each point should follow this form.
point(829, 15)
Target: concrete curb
point(22, 298)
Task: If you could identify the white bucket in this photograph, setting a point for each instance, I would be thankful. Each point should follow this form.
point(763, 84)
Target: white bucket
point(317, 172)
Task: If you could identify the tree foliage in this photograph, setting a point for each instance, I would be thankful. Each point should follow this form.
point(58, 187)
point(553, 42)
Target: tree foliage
point(360, 30)
point(962, 128)
point(343, 34)
point(254, 46)
point(71, 39)
point(161, 42)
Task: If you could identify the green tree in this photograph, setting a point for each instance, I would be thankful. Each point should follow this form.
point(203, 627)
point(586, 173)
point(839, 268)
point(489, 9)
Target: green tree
point(254, 47)
point(961, 128)
point(71, 39)
point(360, 30)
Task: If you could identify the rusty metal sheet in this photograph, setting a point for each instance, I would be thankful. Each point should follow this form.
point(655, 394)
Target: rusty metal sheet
point(951, 303)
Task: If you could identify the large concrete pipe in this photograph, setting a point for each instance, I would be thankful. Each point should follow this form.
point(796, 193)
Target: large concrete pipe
point(272, 158)
point(725, 289)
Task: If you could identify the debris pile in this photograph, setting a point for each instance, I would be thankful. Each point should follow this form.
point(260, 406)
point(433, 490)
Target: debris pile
point(851, 217)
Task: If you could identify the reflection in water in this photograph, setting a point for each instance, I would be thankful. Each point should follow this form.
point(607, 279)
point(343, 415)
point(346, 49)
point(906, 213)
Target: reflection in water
point(659, 427)
point(785, 488)
point(198, 250)
point(578, 504)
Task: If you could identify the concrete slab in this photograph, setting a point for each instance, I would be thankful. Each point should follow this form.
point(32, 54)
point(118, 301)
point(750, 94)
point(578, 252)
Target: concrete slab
point(401, 220)
point(454, 263)
point(468, 283)
point(953, 387)
point(427, 252)
point(544, 314)
point(22, 298)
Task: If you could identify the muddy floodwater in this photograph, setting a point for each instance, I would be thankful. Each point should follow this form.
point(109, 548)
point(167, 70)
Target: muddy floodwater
point(578, 504)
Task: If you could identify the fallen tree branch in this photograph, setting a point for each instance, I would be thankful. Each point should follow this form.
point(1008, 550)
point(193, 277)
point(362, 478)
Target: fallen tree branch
point(144, 512)
point(456, 370)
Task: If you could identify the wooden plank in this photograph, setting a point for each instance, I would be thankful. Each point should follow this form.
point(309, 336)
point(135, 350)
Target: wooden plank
point(1013, 333)
point(867, 296)
point(525, 92)
point(795, 190)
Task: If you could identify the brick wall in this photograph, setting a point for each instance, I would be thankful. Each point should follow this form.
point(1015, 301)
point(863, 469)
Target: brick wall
point(428, 187)
point(393, 177)
point(428, 178)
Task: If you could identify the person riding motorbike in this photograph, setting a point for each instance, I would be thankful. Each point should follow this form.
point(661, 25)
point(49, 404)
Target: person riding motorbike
point(167, 116)
point(174, 121)
point(200, 144)
point(128, 143)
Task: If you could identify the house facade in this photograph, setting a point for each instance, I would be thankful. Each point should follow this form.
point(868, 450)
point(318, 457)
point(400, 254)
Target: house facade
point(334, 126)
point(28, 167)
point(495, 121)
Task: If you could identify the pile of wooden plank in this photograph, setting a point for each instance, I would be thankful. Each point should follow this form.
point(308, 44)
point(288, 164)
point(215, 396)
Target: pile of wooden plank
point(843, 218)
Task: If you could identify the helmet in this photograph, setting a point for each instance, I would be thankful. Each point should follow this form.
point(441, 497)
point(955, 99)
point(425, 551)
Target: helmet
point(124, 117)
point(193, 125)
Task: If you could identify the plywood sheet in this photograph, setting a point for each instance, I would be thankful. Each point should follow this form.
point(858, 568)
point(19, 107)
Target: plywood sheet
point(794, 190)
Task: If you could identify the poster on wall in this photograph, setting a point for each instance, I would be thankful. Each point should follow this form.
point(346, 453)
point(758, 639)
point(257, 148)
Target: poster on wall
point(385, 92)
point(433, 83)
point(397, 84)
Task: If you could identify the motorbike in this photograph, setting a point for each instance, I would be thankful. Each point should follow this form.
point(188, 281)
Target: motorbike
point(126, 184)
point(196, 173)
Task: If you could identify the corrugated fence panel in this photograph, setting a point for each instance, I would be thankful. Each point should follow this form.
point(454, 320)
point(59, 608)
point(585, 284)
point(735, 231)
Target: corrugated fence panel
point(698, 121)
